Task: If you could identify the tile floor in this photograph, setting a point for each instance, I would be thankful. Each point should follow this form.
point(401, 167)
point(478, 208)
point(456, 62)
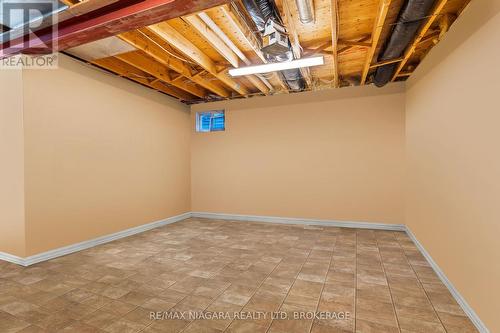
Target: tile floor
point(372, 281)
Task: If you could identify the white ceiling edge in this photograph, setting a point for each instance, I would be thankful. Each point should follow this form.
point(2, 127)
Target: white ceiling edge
point(103, 48)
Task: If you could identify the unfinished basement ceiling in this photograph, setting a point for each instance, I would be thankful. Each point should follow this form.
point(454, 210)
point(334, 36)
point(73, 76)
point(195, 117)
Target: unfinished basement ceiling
point(189, 57)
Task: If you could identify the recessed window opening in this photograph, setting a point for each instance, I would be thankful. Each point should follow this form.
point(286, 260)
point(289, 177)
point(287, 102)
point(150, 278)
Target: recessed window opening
point(210, 121)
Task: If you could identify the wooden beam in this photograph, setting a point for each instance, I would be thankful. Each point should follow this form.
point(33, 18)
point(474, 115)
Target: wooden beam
point(258, 80)
point(69, 2)
point(386, 62)
point(141, 41)
point(222, 48)
point(421, 34)
point(143, 63)
point(322, 46)
point(377, 30)
point(293, 35)
point(401, 74)
point(350, 47)
point(433, 36)
point(309, 52)
point(334, 12)
point(146, 64)
point(244, 31)
point(181, 43)
point(258, 83)
point(104, 22)
point(354, 43)
point(125, 70)
point(78, 8)
point(289, 23)
point(212, 39)
point(240, 26)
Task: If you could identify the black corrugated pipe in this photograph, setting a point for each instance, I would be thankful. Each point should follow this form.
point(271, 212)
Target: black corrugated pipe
point(260, 11)
point(411, 16)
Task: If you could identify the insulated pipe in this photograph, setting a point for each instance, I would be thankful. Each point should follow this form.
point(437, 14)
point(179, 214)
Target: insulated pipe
point(215, 28)
point(294, 79)
point(411, 16)
point(260, 11)
point(306, 11)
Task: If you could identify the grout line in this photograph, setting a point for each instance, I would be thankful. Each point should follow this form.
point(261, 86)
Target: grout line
point(288, 292)
point(216, 297)
point(81, 287)
point(204, 310)
point(256, 290)
point(420, 283)
point(231, 284)
point(399, 240)
point(388, 284)
point(324, 283)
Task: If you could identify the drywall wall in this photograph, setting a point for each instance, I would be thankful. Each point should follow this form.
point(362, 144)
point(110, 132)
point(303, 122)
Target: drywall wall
point(101, 155)
point(453, 164)
point(335, 154)
point(12, 237)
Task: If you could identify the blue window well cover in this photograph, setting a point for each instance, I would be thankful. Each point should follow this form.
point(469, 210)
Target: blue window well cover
point(210, 121)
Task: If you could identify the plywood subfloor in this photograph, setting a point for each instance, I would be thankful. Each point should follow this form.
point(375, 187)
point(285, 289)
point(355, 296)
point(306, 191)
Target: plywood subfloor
point(378, 277)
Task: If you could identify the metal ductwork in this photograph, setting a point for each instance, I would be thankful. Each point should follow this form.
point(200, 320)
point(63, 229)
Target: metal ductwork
point(260, 11)
point(294, 79)
point(411, 16)
point(306, 11)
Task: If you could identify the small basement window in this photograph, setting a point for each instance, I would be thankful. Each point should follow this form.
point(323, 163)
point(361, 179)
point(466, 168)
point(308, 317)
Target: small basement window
point(210, 121)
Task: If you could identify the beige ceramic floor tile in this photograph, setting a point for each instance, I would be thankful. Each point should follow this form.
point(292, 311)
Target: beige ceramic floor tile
point(379, 278)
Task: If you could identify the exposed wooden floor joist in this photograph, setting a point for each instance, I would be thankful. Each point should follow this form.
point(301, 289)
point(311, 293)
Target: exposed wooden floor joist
point(190, 55)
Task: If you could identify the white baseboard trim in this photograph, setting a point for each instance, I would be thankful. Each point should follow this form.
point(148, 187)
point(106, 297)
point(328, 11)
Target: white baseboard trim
point(27, 261)
point(252, 218)
point(12, 258)
point(290, 220)
point(454, 292)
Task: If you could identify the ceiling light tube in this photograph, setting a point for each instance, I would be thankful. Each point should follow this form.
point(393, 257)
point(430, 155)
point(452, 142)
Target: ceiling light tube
point(277, 66)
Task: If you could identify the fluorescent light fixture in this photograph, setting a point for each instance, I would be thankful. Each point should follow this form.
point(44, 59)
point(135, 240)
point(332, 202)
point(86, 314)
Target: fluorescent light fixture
point(277, 66)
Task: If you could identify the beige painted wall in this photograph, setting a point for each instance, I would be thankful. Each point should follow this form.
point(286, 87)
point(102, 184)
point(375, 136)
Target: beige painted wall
point(12, 237)
point(453, 160)
point(327, 155)
point(102, 155)
point(121, 157)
